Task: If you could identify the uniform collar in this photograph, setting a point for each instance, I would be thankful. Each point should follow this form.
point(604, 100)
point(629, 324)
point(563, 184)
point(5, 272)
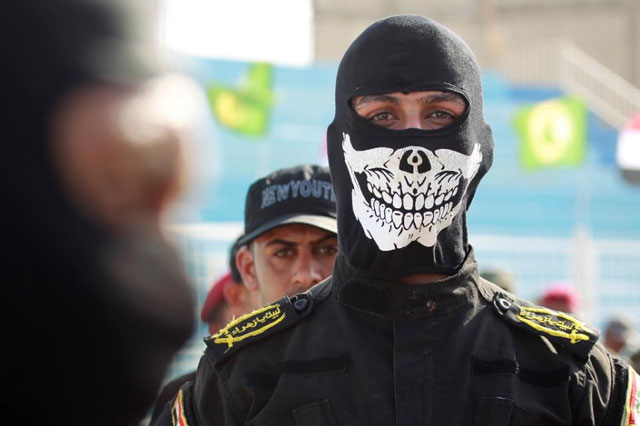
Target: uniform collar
point(392, 300)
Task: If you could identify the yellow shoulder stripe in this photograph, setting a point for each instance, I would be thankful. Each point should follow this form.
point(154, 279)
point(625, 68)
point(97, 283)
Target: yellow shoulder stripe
point(249, 325)
point(554, 323)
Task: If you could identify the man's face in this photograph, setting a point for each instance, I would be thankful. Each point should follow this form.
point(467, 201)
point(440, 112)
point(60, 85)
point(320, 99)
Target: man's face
point(287, 260)
point(426, 110)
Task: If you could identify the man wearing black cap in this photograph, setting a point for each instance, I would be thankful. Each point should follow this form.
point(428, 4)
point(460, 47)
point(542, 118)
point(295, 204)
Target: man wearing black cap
point(290, 239)
point(405, 332)
point(289, 244)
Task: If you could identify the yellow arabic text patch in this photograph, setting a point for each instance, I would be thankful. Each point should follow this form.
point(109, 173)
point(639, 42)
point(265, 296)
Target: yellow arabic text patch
point(250, 325)
point(554, 323)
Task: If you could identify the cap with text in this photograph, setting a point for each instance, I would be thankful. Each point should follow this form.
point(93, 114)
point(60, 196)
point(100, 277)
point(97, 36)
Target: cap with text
point(296, 195)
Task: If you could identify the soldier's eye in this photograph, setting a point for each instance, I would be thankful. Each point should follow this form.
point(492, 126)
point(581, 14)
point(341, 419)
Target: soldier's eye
point(284, 252)
point(328, 250)
point(442, 114)
point(382, 116)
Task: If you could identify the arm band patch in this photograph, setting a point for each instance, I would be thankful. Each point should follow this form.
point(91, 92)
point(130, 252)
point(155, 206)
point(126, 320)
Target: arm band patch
point(631, 415)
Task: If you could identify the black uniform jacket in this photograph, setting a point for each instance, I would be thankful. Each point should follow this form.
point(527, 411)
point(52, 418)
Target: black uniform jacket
point(366, 352)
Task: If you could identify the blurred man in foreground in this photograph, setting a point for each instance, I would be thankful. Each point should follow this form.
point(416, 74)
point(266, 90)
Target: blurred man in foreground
point(95, 300)
point(226, 300)
point(405, 332)
point(289, 244)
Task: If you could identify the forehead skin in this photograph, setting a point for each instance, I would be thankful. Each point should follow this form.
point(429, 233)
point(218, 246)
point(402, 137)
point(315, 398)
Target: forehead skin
point(296, 233)
point(426, 110)
point(425, 97)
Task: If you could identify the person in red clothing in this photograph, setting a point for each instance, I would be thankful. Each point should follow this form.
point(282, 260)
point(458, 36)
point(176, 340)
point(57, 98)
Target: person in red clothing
point(224, 302)
point(561, 296)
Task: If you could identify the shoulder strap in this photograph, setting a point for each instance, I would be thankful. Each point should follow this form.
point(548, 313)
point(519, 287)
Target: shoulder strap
point(560, 328)
point(258, 324)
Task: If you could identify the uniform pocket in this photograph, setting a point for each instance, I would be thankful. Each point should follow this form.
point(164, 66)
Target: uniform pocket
point(314, 414)
point(497, 411)
point(493, 411)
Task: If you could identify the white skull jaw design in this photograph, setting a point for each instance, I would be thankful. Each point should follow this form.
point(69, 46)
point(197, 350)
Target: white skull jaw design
point(408, 194)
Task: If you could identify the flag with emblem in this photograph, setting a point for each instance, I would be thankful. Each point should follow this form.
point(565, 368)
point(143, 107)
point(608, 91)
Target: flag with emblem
point(245, 108)
point(552, 133)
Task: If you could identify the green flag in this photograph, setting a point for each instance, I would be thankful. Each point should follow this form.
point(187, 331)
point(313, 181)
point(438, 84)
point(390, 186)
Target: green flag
point(245, 108)
point(552, 133)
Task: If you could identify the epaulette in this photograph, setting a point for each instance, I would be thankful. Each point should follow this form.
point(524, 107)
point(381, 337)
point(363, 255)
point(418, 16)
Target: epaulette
point(259, 324)
point(558, 327)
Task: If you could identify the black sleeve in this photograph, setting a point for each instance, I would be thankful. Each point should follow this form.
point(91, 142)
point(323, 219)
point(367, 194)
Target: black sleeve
point(213, 404)
point(168, 393)
point(600, 390)
point(180, 410)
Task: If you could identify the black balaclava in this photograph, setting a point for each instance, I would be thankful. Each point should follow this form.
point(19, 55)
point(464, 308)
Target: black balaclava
point(402, 195)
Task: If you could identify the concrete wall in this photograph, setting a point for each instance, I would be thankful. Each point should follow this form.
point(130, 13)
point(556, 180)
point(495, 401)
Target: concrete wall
point(607, 30)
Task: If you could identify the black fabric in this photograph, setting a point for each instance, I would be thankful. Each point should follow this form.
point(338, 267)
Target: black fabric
point(482, 367)
point(168, 392)
point(493, 412)
point(269, 377)
point(301, 194)
point(87, 341)
point(402, 54)
point(544, 379)
point(401, 301)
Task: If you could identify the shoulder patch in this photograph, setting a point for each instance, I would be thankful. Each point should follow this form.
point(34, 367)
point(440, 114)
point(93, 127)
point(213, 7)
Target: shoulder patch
point(560, 328)
point(258, 324)
point(631, 415)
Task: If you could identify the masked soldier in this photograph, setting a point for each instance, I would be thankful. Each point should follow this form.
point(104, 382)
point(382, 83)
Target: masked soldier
point(405, 332)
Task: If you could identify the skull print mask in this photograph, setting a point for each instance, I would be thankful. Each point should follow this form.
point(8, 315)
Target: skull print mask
point(402, 195)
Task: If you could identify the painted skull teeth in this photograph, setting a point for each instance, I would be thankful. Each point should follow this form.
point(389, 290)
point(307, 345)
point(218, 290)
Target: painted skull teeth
point(413, 211)
point(417, 220)
point(408, 194)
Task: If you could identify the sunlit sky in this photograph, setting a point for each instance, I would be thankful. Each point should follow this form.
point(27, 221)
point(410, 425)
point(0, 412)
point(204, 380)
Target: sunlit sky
point(276, 31)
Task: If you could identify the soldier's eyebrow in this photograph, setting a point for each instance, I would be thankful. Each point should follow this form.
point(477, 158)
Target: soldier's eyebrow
point(367, 99)
point(280, 241)
point(441, 97)
point(436, 97)
point(329, 236)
